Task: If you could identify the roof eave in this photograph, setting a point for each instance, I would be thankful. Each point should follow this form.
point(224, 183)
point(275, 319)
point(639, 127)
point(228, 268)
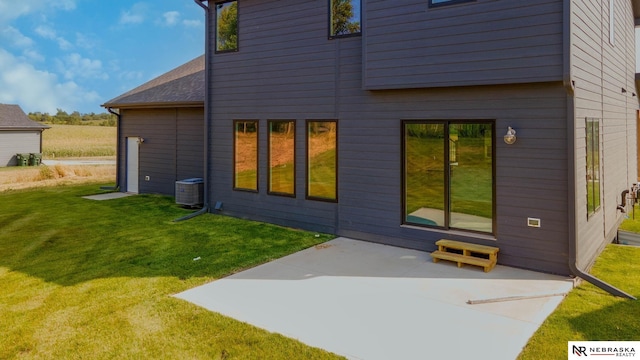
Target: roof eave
point(24, 128)
point(155, 105)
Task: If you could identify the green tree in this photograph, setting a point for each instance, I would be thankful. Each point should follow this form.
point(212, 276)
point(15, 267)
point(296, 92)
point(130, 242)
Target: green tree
point(227, 26)
point(343, 19)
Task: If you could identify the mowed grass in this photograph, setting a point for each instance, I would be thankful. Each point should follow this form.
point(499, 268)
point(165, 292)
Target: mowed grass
point(85, 279)
point(591, 314)
point(63, 141)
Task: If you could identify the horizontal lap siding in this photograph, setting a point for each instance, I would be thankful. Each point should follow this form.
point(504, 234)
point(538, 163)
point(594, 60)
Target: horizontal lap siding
point(157, 154)
point(316, 78)
point(531, 175)
point(408, 45)
point(16, 142)
point(281, 72)
point(601, 70)
point(190, 143)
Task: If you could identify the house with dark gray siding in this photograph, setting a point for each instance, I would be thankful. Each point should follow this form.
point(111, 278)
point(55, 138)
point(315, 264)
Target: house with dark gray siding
point(507, 123)
point(18, 134)
point(385, 121)
point(160, 124)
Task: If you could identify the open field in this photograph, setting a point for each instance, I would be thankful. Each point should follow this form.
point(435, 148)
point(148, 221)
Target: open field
point(13, 178)
point(67, 141)
point(85, 279)
point(78, 141)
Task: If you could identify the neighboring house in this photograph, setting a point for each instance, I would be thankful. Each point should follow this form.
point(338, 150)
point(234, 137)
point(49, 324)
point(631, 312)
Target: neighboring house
point(18, 134)
point(160, 131)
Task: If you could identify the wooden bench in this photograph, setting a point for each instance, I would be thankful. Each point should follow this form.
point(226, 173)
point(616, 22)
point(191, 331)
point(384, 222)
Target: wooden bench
point(468, 255)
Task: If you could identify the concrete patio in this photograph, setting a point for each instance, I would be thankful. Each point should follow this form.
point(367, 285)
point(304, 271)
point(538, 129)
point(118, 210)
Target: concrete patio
point(369, 301)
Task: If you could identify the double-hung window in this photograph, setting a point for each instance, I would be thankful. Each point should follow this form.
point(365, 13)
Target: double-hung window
point(448, 175)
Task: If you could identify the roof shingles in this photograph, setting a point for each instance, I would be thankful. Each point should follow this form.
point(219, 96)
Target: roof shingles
point(13, 118)
point(182, 85)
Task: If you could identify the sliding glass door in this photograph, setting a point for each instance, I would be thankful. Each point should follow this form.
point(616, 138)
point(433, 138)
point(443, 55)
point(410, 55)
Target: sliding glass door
point(449, 174)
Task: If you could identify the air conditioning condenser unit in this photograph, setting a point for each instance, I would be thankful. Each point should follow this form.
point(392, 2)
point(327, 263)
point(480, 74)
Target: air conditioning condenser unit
point(190, 192)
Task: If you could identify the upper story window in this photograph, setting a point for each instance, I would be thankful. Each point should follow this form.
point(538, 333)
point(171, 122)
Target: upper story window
point(436, 3)
point(345, 18)
point(227, 26)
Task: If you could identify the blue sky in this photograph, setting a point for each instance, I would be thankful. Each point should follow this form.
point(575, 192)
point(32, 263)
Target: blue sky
point(78, 54)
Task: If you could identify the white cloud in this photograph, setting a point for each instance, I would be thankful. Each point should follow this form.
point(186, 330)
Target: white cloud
point(135, 15)
point(37, 90)
point(129, 18)
point(192, 23)
point(64, 44)
point(45, 32)
point(86, 41)
point(49, 33)
point(74, 66)
point(32, 55)
point(13, 9)
point(130, 75)
point(171, 18)
point(15, 37)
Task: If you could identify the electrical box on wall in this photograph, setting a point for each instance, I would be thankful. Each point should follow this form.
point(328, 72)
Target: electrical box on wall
point(533, 222)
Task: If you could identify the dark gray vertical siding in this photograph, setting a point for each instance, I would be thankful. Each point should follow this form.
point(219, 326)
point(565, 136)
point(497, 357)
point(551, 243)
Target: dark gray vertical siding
point(408, 45)
point(279, 74)
point(601, 70)
point(172, 148)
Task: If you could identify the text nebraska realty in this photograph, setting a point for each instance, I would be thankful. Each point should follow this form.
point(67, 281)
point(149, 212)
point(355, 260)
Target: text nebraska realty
point(605, 351)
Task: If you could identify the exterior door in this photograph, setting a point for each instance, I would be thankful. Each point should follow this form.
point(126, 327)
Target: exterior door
point(132, 164)
point(449, 175)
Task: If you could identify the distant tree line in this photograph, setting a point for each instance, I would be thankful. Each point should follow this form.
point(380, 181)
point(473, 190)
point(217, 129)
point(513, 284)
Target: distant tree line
point(75, 118)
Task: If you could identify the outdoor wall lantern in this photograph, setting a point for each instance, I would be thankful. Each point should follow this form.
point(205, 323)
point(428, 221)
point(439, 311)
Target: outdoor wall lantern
point(510, 136)
point(140, 140)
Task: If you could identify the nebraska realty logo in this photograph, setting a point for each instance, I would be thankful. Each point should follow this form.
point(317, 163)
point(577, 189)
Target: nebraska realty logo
point(603, 349)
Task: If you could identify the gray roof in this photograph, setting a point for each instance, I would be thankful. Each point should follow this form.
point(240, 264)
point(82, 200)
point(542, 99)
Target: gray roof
point(13, 118)
point(182, 86)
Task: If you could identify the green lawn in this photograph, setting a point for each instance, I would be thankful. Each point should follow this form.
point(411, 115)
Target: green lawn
point(93, 280)
point(590, 314)
point(89, 279)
